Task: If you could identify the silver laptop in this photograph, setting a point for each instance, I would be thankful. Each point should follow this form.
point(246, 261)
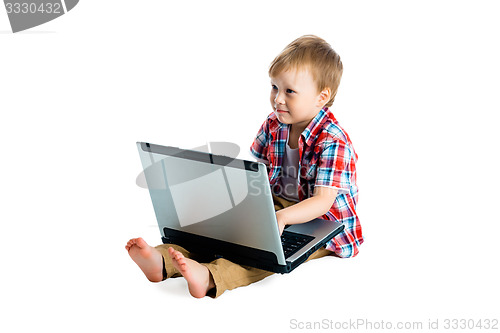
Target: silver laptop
point(218, 206)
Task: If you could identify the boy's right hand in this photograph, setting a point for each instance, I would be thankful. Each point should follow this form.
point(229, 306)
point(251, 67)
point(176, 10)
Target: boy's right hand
point(281, 223)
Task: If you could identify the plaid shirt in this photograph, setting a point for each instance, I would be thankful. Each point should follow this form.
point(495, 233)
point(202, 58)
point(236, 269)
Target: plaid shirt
point(326, 158)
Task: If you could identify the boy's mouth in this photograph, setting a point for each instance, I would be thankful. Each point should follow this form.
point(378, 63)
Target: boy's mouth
point(281, 111)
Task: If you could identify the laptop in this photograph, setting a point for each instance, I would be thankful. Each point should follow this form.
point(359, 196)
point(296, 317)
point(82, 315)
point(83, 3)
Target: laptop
point(222, 207)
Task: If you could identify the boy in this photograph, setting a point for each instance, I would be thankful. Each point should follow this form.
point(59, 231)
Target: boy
point(311, 163)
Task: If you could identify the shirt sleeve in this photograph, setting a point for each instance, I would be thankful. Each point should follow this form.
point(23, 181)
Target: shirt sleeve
point(260, 145)
point(346, 244)
point(335, 167)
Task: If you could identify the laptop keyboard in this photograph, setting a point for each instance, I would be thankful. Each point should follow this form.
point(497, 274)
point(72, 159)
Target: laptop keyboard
point(292, 242)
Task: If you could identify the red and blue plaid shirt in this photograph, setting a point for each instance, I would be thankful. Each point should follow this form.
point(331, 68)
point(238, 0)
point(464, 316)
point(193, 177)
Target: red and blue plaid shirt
point(326, 158)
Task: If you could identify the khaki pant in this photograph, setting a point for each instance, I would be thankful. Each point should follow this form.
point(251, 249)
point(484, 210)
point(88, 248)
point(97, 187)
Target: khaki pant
point(226, 274)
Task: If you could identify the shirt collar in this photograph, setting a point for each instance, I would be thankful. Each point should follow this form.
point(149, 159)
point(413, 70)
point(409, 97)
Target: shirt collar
point(275, 123)
point(312, 130)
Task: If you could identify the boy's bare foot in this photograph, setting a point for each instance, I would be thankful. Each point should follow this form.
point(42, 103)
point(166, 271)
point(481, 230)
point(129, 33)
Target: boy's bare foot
point(147, 258)
point(198, 277)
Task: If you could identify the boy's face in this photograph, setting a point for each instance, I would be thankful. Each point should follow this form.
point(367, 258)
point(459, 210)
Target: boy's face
point(295, 99)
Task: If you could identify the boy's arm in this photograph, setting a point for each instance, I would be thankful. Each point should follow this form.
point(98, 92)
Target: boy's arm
point(311, 208)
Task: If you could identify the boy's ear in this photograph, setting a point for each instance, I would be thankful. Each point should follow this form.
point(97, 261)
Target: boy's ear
point(324, 96)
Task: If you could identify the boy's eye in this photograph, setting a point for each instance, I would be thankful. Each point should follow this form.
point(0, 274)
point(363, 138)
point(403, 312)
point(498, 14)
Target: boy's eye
point(274, 87)
point(290, 91)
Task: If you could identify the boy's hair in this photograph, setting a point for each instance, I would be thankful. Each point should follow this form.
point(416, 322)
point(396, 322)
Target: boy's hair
point(312, 53)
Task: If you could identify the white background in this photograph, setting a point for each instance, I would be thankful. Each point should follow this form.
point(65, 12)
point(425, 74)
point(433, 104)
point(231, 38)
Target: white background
point(419, 98)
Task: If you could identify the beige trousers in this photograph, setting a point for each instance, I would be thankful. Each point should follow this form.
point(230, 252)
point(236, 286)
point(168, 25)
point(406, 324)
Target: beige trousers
point(226, 274)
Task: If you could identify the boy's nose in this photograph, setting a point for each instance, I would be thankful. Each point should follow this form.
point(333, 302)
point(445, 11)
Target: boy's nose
point(279, 99)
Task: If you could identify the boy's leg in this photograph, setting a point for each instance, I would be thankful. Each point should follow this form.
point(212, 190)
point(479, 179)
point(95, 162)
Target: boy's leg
point(225, 274)
point(228, 275)
point(280, 203)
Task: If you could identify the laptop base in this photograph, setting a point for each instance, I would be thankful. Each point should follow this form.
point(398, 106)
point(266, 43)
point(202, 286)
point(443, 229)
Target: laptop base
point(240, 254)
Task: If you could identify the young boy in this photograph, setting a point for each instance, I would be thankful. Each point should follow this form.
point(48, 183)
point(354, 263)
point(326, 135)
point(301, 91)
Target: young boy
point(312, 170)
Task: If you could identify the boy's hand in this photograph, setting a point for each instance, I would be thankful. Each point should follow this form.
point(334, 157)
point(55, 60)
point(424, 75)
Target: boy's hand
point(308, 209)
point(281, 227)
point(281, 222)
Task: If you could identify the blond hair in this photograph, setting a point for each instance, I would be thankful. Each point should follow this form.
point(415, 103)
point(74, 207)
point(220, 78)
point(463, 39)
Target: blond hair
point(316, 55)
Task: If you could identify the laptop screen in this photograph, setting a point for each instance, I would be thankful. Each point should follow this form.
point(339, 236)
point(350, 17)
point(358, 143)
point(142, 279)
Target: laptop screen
point(208, 195)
